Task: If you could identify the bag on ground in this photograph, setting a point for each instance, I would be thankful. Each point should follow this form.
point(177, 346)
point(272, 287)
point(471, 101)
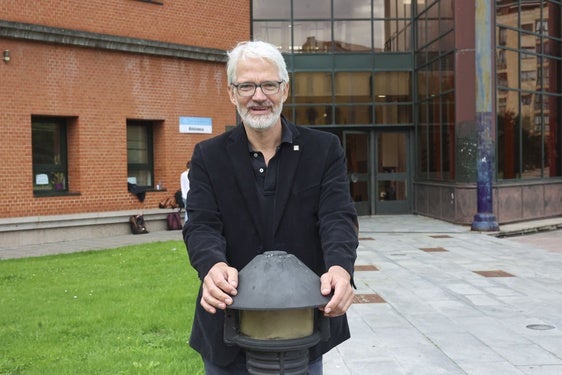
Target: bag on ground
point(138, 225)
point(174, 221)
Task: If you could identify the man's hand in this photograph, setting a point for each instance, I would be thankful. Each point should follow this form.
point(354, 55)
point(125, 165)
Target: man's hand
point(338, 280)
point(218, 287)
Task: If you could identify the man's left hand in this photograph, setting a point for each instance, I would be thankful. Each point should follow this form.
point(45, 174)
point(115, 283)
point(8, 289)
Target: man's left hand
point(337, 279)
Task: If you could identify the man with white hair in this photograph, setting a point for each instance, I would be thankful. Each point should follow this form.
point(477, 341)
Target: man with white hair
point(266, 185)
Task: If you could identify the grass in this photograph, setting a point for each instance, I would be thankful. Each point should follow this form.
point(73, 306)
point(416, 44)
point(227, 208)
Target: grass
point(121, 311)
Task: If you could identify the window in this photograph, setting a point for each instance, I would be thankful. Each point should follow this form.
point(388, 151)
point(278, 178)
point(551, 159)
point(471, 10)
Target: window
point(501, 62)
point(528, 52)
point(49, 148)
point(528, 137)
point(502, 79)
point(541, 26)
point(140, 155)
point(441, 154)
point(528, 75)
point(392, 92)
point(540, 103)
point(502, 102)
point(529, 93)
point(312, 92)
point(339, 26)
point(502, 41)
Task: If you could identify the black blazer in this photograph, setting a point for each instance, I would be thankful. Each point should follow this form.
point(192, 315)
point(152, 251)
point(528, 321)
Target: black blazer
point(315, 220)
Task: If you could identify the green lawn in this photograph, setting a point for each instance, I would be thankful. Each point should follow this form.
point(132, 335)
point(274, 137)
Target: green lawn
point(119, 311)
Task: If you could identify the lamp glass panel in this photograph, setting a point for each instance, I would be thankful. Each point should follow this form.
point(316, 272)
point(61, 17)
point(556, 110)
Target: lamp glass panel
point(277, 324)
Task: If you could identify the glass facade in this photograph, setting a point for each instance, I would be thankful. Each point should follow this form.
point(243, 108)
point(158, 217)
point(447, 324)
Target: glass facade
point(350, 98)
point(331, 48)
point(434, 72)
point(528, 62)
point(365, 68)
point(322, 26)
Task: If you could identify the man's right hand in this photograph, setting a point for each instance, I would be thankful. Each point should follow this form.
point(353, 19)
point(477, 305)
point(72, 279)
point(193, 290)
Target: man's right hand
point(218, 287)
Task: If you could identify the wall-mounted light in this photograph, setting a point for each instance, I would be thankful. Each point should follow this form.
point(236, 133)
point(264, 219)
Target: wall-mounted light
point(6, 55)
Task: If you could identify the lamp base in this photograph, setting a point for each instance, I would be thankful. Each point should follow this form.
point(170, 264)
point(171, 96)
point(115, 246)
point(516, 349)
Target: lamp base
point(294, 362)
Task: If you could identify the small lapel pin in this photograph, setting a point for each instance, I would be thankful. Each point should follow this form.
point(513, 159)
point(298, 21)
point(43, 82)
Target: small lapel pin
point(295, 147)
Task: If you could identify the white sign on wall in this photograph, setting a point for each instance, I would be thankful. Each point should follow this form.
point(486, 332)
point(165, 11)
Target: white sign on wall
point(196, 125)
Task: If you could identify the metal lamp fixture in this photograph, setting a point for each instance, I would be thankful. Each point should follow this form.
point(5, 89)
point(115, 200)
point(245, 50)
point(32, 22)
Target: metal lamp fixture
point(6, 55)
point(275, 315)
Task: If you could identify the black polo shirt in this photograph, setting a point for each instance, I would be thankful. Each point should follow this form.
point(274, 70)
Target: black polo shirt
point(266, 185)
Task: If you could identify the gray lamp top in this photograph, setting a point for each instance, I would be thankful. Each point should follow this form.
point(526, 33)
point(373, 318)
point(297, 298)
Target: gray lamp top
point(277, 280)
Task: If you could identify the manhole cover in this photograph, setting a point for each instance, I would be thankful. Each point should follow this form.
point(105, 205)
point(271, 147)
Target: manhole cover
point(540, 327)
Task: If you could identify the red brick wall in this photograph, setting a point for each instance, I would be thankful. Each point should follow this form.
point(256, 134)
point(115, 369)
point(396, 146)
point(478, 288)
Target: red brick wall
point(204, 23)
point(101, 89)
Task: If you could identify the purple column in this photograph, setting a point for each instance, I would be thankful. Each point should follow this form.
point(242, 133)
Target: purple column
point(484, 220)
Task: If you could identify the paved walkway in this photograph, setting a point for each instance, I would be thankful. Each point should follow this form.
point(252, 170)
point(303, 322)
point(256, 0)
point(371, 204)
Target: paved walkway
point(435, 298)
point(451, 301)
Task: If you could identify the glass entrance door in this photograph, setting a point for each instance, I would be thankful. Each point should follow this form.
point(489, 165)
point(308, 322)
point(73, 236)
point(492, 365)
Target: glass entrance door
point(392, 173)
point(378, 167)
point(358, 154)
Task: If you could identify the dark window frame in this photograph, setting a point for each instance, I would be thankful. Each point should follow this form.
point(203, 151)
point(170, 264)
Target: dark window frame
point(148, 166)
point(49, 178)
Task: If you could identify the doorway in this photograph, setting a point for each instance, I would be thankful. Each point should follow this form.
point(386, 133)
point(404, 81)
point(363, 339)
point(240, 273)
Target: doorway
point(378, 166)
point(357, 146)
point(392, 173)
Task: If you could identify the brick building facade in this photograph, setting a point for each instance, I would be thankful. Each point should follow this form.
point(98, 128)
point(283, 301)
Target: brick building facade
point(97, 66)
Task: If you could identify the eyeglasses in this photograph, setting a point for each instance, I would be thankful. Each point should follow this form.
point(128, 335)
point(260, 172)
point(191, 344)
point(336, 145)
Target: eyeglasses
point(249, 88)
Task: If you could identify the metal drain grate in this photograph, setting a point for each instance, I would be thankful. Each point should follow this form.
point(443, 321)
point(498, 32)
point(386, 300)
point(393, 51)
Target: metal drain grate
point(494, 273)
point(433, 249)
point(366, 267)
point(368, 298)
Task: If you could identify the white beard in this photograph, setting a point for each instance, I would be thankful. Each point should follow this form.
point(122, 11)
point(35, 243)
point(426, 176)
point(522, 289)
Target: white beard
point(261, 122)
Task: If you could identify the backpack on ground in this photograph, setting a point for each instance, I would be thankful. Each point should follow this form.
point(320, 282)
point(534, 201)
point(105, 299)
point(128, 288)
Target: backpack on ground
point(173, 221)
point(138, 225)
